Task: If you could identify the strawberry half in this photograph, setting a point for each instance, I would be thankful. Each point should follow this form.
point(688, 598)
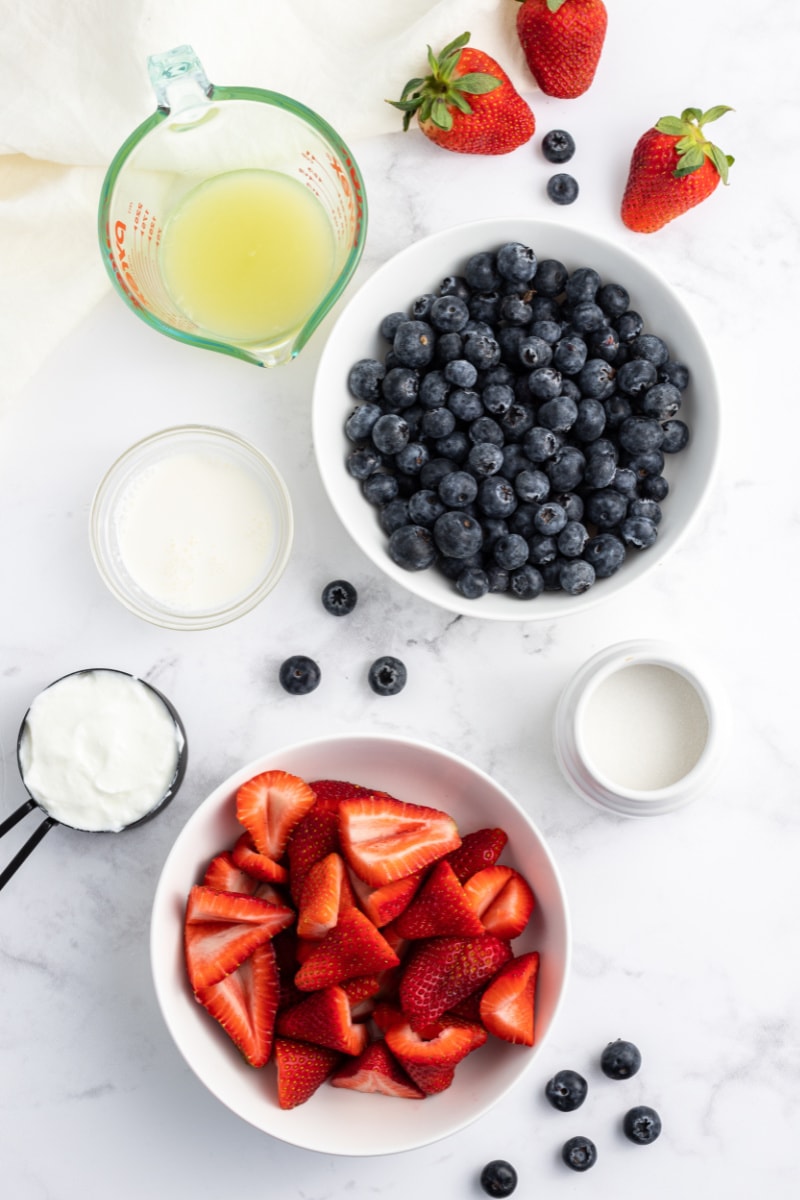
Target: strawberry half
point(385, 903)
point(479, 849)
point(502, 899)
point(430, 1058)
point(269, 806)
point(384, 839)
point(325, 1019)
point(377, 1070)
point(440, 908)
point(508, 1004)
point(353, 947)
point(326, 892)
point(222, 929)
point(301, 1068)
point(245, 1003)
point(331, 792)
point(245, 856)
point(316, 836)
point(441, 971)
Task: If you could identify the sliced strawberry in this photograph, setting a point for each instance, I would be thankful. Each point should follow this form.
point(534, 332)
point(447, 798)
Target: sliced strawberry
point(331, 792)
point(384, 903)
point(245, 1003)
point(430, 1058)
point(440, 908)
point(316, 836)
point(477, 850)
point(353, 947)
point(502, 899)
point(245, 855)
point(508, 1004)
point(222, 929)
point(326, 892)
point(441, 971)
point(385, 839)
point(324, 1018)
point(223, 875)
point(377, 1070)
point(302, 1067)
point(269, 806)
point(468, 1009)
point(363, 987)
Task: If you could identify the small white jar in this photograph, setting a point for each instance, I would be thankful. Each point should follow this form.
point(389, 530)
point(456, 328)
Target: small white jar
point(639, 731)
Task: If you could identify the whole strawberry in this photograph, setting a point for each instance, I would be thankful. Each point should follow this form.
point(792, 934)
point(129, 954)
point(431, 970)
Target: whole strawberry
point(562, 41)
point(467, 103)
point(673, 168)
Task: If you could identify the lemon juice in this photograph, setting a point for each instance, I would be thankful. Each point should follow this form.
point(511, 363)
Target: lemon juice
point(248, 255)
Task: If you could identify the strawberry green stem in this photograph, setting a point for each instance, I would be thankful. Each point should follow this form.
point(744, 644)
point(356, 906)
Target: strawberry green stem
point(692, 147)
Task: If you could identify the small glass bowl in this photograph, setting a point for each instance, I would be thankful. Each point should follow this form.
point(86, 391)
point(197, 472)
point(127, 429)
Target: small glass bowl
point(124, 477)
point(696, 729)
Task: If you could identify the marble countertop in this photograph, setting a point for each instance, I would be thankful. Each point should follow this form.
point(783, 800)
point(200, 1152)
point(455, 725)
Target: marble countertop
point(685, 926)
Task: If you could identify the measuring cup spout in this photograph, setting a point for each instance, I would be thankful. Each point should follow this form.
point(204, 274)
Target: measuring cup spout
point(179, 81)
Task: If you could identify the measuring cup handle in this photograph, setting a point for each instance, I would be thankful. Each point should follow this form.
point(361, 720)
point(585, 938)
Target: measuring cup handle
point(30, 845)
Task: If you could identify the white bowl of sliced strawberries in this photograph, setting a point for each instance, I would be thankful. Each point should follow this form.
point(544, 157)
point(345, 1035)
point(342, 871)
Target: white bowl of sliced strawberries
point(359, 943)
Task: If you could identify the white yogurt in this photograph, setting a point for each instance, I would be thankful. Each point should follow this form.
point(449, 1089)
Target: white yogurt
point(99, 750)
point(195, 530)
point(644, 727)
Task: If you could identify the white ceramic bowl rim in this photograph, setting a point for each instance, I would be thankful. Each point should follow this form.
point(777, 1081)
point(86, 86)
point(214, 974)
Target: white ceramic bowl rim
point(336, 1121)
point(419, 268)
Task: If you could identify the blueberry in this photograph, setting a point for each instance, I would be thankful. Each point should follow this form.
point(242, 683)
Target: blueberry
point(364, 379)
point(605, 508)
point(472, 583)
point(579, 1153)
point(414, 343)
point(485, 429)
point(389, 324)
point(299, 675)
point(457, 489)
point(517, 421)
point(590, 421)
point(651, 347)
point(437, 422)
point(601, 469)
point(424, 507)
point(551, 276)
point(629, 325)
point(412, 458)
point(457, 535)
point(433, 390)
point(566, 1091)
point(620, 1060)
point(390, 433)
point(576, 576)
point(636, 376)
point(559, 414)
point(510, 551)
point(455, 446)
point(540, 444)
point(358, 425)
point(550, 518)
point(400, 387)
point(363, 462)
point(654, 487)
point(454, 285)
point(606, 553)
point(572, 539)
point(638, 531)
point(625, 481)
point(587, 316)
point(570, 354)
point(661, 401)
point(339, 597)
point(613, 299)
point(484, 306)
point(515, 311)
point(676, 373)
point(485, 458)
point(582, 285)
point(639, 435)
point(558, 146)
point(544, 383)
point(465, 404)
point(497, 398)
point(421, 306)
point(482, 350)
point(393, 515)
point(617, 408)
point(562, 188)
point(542, 549)
point(566, 469)
point(380, 488)
point(496, 497)
point(641, 1125)
point(676, 436)
point(449, 345)
point(412, 547)
point(460, 372)
point(481, 272)
point(526, 582)
point(516, 262)
point(596, 378)
point(532, 486)
point(604, 343)
point(498, 1178)
point(499, 578)
point(387, 676)
point(448, 314)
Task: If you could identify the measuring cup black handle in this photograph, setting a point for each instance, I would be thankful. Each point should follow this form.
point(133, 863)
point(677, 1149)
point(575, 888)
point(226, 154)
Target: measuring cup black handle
point(32, 842)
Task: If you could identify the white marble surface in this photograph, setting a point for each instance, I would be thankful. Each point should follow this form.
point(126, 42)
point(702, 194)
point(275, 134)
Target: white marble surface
point(685, 928)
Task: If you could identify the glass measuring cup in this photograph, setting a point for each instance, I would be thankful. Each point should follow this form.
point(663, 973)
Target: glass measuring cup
point(203, 136)
point(33, 802)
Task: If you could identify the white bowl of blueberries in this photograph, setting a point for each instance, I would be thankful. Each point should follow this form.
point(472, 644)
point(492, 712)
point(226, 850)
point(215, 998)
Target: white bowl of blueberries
point(515, 419)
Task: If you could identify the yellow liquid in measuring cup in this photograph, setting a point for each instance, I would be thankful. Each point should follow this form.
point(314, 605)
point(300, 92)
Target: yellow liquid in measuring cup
point(248, 255)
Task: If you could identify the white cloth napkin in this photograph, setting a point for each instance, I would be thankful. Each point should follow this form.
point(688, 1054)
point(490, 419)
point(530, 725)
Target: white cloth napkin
point(75, 84)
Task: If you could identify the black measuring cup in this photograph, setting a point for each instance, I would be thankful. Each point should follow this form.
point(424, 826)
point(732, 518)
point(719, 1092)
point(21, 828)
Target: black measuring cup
point(49, 821)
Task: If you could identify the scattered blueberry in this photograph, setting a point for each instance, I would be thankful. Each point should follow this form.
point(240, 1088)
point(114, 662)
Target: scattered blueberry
point(558, 146)
point(579, 1153)
point(641, 1125)
point(620, 1060)
point(387, 676)
point(562, 188)
point(339, 597)
point(498, 1178)
point(566, 1091)
point(299, 675)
